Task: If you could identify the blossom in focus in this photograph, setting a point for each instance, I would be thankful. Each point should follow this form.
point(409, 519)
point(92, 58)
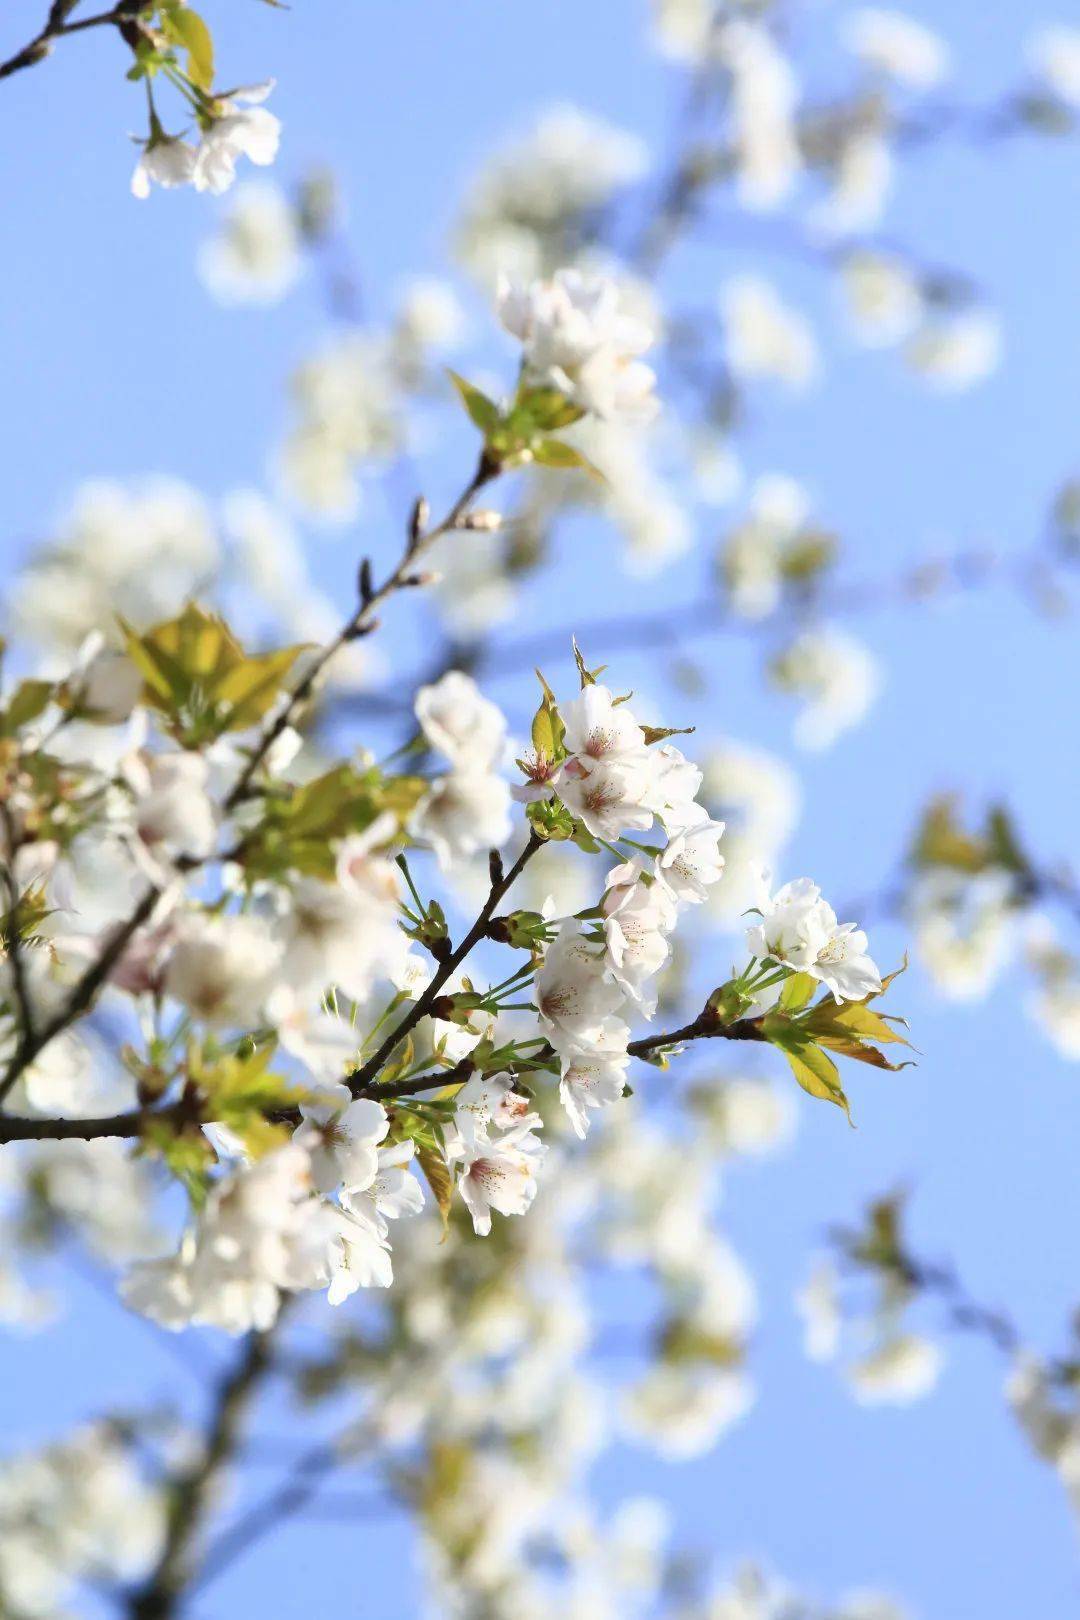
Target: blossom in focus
point(578, 340)
point(164, 161)
point(593, 1069)
point(342, 1142)
point(799, 929)
point(241, 127)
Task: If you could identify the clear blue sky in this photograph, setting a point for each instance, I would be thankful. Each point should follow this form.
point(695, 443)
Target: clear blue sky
point(116, 362)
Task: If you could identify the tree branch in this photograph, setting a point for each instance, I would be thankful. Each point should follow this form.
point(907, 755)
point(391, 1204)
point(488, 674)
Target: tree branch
point(32, 1041)
point(361, 1083)
point(159, 1596)
point(277, 1505)
point(57, 25)
point(362, 622)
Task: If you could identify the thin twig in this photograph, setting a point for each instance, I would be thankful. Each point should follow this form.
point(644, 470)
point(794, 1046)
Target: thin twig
point(57, 26)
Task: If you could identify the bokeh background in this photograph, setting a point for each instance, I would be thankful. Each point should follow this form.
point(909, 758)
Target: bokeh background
point(117, 362)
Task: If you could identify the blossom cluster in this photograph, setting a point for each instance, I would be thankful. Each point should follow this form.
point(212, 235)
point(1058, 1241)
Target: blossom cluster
point(233, 126)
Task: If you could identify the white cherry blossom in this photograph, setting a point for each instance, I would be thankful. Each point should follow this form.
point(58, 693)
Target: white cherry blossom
point(799, 929)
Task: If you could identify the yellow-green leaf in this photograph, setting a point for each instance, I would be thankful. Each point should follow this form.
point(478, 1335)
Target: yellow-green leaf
point(554, 453)
point(188, 29)
point(797, 991)
point(483, 412)
point(439, 1177)
point(250, 687)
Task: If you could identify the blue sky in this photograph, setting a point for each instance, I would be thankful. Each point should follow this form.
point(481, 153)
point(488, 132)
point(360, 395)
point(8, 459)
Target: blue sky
point(117, 363)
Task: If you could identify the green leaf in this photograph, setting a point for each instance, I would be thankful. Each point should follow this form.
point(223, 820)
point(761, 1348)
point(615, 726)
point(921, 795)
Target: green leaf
point(548, 731)
point(29, 699)
point(197, 673)
point(550, 819)
point(186, 1153)
point(555, 453)
point(588, 676)
point(796, 992)
point(250, 688)
point(814, 1070)
point(539, 410)
point(483, 412)
point(851, 1019)
point(185, 27)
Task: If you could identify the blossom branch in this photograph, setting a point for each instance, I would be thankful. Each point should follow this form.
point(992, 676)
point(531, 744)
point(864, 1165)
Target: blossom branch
point(364, 620)
point(362, 1082)
point(32, 1041)
point(57, 25)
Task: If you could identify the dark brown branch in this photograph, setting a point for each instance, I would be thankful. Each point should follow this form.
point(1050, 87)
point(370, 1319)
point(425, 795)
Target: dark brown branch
point(362, 622)
point(134, 1123)
point(33, 1041)
point(501, 882)
point(57, 26)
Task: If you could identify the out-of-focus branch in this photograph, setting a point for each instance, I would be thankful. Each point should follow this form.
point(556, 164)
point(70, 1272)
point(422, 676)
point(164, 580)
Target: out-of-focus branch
point(160, 1595)
point(284, 1502)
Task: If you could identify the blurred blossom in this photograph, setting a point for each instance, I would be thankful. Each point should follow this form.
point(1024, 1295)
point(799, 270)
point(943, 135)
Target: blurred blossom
point(902, 1369)
point(883, 297)
point(955, 352)
point(686, 30)
point(962, 929)
point(1055, 1003)
point(135, 550)
point(759, 799)
point(764, 98)
point(683, 1411)
point(430, 315)
point(76, 1511)
point(745, 1117)
point(255, 256)
point(861, 180)
point(523, 209)
point(764, 337)
point(818, 1304)
point(753, 552)
point(348, 402)
point(899, 47)
point(1054, 55)
point(837, 679)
